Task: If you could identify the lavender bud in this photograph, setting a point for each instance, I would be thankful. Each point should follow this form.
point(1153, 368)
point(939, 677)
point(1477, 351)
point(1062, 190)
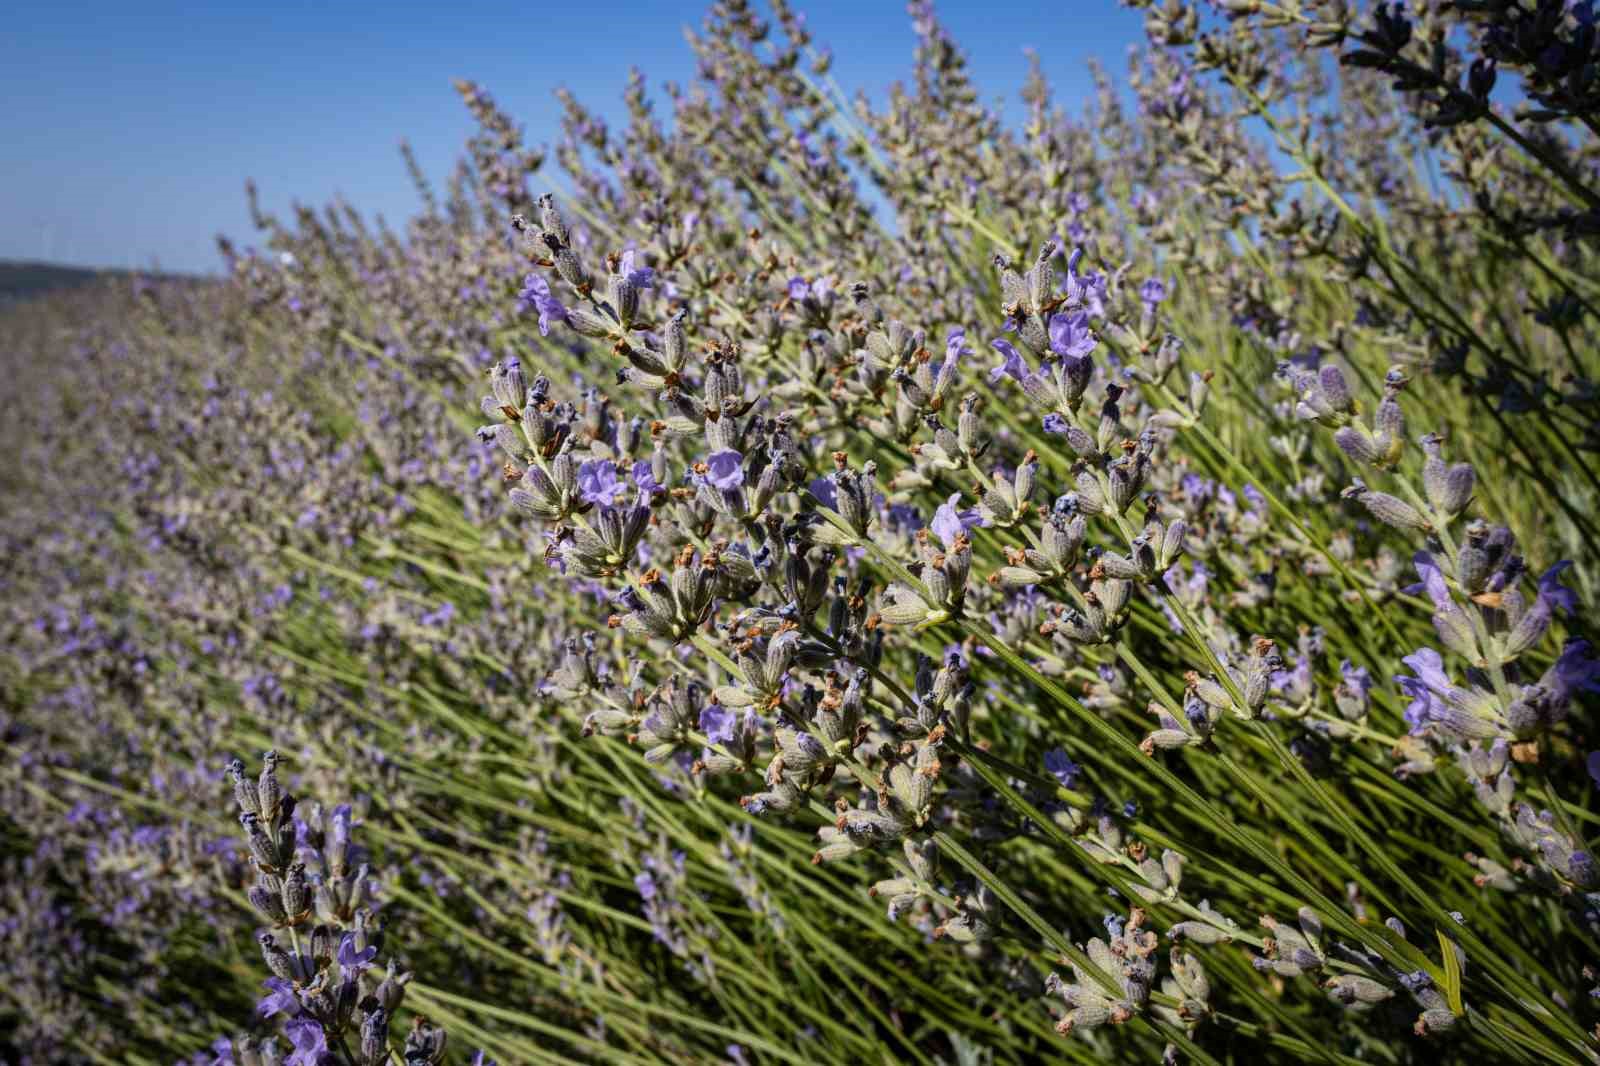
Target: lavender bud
point(1434, 1020)
point(572, 271)
point(1334, 389)
point(506, 382)
point(425, 1044)
point(296, 894)
point(268, 902)
point(392, 989)
point(1041, 280)
point(675, 343)
point(244, 789)
point(1023, 483)
point(1166, 740)
point(589, 324)
point(508, 440)
point(1015, 577)
point(1081, 442)
point(324, 944)
point(269, 794)
point(1199, 392)
point(801, 751)
point(1527, 631)
point(1387, 509)
point(1199, 933)
point(551, 223)
point(1357, 443)
point(1354, 990)
point(1473, 566)
point(1115, 566)
point(1389, 424)
point(1456, 633)
point(1263, 663)
point(1448, 488)
point(1061, 540)
point(836, 844)
point(261, 846)
point(923, 857)
point(1310, 924)
point(1172, 863)
point(375, 1037)
point(623, 296)
point(1125, 481)
point(277, 960)
point(1171, 545)
point(1112, 594)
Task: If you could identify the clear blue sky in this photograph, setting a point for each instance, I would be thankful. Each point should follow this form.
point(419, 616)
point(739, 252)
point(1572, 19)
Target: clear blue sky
point(129, 128)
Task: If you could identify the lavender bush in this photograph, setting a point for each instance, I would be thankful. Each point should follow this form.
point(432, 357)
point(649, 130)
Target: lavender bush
point(803, 580)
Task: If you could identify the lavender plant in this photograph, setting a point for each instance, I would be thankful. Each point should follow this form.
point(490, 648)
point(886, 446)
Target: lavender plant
point(917, 589)
point(317, 981)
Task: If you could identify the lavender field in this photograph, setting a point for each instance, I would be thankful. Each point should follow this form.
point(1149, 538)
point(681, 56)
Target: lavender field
point(797, 579)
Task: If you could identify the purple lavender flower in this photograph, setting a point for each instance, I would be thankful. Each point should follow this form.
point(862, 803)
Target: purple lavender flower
point(1070, 336)
point(1073, 284)
point(1088, 291)
point(1437, 701)
point(955, 346)
point(340, 825)
point(1055, 423)
point(1575, 670)
point(310, 1043)
point(1433, 582)
point(439, 616)
point(1063, 769)
point(352, 959)
point(717, 723)
point(1431, 681)
point(826, 492)
point(1416, 980)
point(1013, 365)
point(1196, 489)
point(646, 886)
point(1152, 292)
point(1194, 585)
point(536, 295)
point(903, 516)
point(641, 277)
point(1356, 678)
point(598, 483)
point(1535, 621)
point(725, 470)
point(949, 523)
point(1555, 595)
point(644, 479)
point(801, 289)
point(280, 999)
point(1294, 680)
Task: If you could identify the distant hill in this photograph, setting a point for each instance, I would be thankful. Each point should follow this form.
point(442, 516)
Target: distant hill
point(23, 280)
